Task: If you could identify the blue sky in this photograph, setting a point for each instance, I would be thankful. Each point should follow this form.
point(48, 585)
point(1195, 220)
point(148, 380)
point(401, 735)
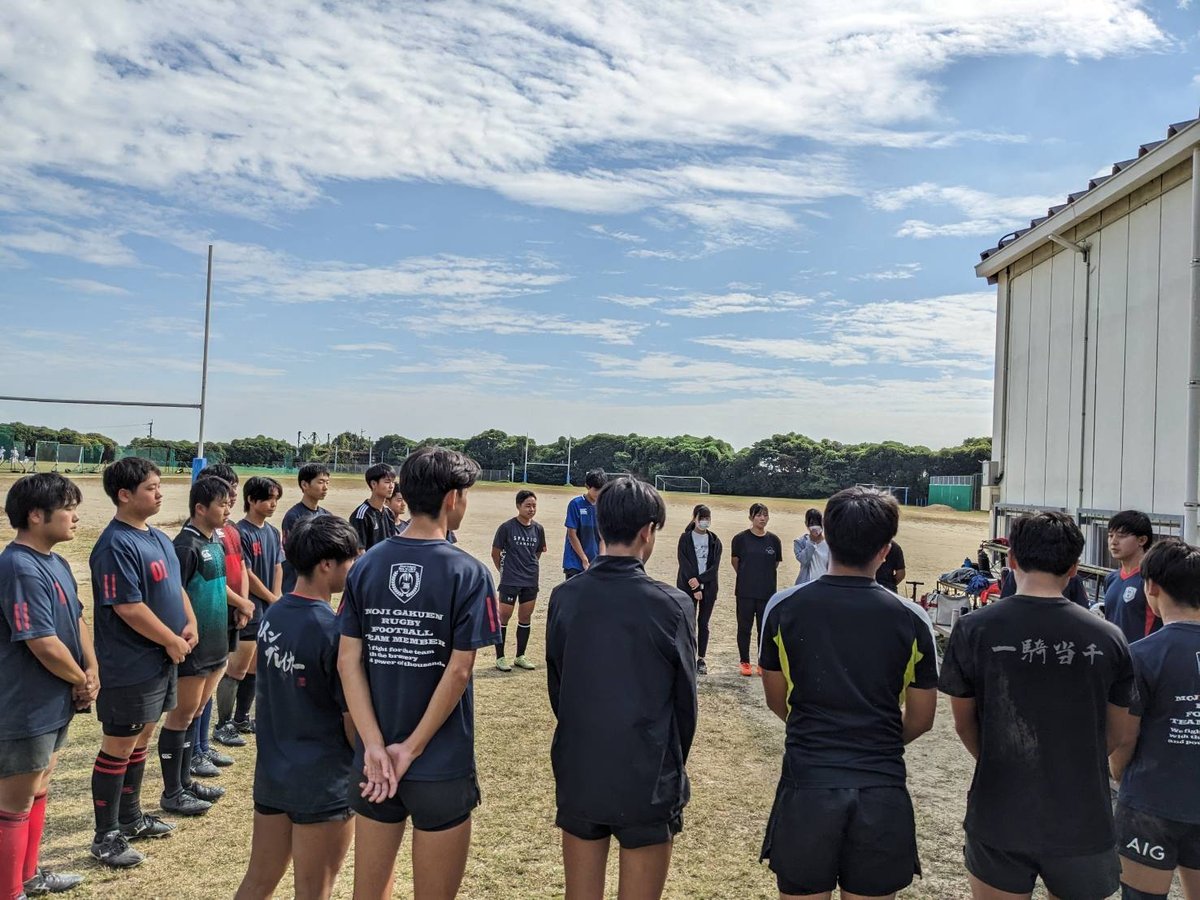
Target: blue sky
point(719, 218)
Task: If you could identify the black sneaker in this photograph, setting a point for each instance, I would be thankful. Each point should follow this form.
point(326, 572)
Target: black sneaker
point(113, 850)
point(701, 667)
point(185, 804)
point(227, 734)
point(147, 826)
point(245, 726)
point(202, 767)
point(209, 793)
point(217, 758)
point(44, 882)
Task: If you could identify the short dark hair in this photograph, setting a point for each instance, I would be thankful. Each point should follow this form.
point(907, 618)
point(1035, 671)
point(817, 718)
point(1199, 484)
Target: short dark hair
point(311, 472)
point(206, 491)
point(320, 538)
point(522, 496)
point(224, 471)
point(626, 506)
point(1045, 542)
point(1174, 566)
point(757, 508)
point(126, 474)
point(430, 473)
point(813, 517)
point(860, 522)
point(47, 491)
point(700, 510)
point(378, 472)
point(595, 479)
point(258, 489)
point(1132, 521)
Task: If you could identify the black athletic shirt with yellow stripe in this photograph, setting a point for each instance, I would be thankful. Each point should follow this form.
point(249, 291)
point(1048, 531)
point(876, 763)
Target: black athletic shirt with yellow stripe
point(848, 648)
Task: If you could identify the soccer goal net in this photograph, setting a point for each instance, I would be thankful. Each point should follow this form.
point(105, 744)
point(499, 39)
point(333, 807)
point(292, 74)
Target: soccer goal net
point(899, 491)
point(692, 484)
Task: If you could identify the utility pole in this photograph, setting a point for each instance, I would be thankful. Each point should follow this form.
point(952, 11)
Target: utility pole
point(151, 434)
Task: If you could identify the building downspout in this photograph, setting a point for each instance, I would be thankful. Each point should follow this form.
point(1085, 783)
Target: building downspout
point(1191, 482)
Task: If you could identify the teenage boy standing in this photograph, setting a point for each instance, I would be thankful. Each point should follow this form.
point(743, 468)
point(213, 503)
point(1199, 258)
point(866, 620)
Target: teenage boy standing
point(583, 542)
point(1158, 814)
point(313, 479)
point(516, 549)
point(372, 521)
point(851, 669)
point(1130, 535)
point(621, 672)
point(144, 627)
point(414, 612)
point(48, 670)
point(1040, 691)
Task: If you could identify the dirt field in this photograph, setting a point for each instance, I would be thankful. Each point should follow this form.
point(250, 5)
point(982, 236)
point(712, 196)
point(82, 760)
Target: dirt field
point(734, 763)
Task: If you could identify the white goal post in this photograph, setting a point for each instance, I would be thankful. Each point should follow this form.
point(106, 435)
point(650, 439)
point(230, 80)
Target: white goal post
point(692, 484)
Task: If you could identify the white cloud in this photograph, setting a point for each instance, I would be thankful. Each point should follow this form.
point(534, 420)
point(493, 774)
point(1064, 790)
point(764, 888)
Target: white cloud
point(625, 236)
point(363, 348)
point(987, 214)
point(494, 318)
point(88, 286)
point(704, 306)
point(901, 272)
point(478, 367)
point(102, 249)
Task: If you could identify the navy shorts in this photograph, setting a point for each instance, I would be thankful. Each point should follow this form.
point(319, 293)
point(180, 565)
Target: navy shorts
point(24, 756)
point(1087, 877)
point(1156, 842)
point(630, 837)
point(125, 711)
point(432, 805)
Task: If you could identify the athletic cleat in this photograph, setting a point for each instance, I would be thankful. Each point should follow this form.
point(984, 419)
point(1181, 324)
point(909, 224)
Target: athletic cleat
point(245, 726)
point(217, 758)
point(44, 882)
point(701, 667)
point(746, 670)
point(227, 734)
point(209, 793)
point(503, 664)
point(145, 828)
point(202, 767)
point(522, 663)
point(184, 804)
point(113, 850)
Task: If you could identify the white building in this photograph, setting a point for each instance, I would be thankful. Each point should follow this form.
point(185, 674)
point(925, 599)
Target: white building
point(1096, 334)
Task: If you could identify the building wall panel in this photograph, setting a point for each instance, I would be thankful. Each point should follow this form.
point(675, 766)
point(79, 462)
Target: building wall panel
point(1111, 303)
point(1141, 358)
point(1018, 389)
point(1059, 346)
point(1038, 388)
point(1170, 408)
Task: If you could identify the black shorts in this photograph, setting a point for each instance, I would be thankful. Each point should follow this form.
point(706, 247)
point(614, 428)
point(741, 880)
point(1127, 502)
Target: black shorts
point(630, 837)
point(1088, 877)
point(864, 839)
point(568, 574)
point(188, 669)
point(125, 711)
point(1156, 842)
point(511, 595)
point(305, 818)
point(433, 805)
point(249, 633)
point(26, 755)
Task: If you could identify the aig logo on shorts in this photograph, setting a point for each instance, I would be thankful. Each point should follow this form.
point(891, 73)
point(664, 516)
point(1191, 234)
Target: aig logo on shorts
point(405, 581)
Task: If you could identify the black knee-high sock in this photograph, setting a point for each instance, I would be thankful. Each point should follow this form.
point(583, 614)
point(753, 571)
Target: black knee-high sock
point(503, 642)
point(131, 790)
point(170, 755)
point(226, 697)
point(523, 637)
point(245, 697)
point(108, 775)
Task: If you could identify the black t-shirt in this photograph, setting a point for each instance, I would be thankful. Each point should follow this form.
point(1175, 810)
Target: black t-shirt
point(303, 763)
point(892, 563)
point(1163, 778)
point(849, 649)
point(1042, 672)
point(373, 525)
point(412, 603)
point(758, 564)
point(134, 566)
point(291, 519)
point(38, 599)
point(519, 546)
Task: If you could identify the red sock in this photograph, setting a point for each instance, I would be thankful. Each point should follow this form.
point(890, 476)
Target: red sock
point(37, 824)
point(14, 832)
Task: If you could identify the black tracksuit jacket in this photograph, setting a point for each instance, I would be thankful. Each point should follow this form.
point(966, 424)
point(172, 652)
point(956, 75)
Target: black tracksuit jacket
point(621, 671)
point(688, 565)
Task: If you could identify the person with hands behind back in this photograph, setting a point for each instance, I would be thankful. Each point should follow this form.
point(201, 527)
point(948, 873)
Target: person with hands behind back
point(699, 554)
point(414, 612)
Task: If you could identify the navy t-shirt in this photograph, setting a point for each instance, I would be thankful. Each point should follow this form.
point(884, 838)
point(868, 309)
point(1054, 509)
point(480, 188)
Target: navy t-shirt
point(1163, 778)
point(412, 603)
point(263, 551)
point(291, 519)
point(303, 763)
point(202, 570)
point(133, 566)
point(519, 546)
point(581, 515)
point(38, 597)
point(1126, 607)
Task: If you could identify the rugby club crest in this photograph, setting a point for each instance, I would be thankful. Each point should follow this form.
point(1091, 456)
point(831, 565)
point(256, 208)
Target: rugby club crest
point(405, 581)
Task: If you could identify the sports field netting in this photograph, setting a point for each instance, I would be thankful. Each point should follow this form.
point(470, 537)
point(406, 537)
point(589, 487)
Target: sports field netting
point(693, 484)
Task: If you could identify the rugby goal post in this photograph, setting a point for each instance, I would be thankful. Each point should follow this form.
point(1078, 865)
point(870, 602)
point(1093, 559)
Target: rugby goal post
point(691, 484)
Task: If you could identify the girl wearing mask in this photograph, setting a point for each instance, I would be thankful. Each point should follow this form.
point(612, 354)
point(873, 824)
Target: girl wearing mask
point(811, 550)
point(699, 560)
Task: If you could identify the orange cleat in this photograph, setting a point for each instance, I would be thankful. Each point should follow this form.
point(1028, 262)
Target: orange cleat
point(747, 670)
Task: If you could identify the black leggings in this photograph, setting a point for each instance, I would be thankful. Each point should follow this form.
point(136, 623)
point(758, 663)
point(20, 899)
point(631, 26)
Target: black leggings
point(749, 612)
point(704, 611)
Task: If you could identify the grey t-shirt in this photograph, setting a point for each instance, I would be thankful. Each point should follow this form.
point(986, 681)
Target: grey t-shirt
point(519, 546)
point(700, 542)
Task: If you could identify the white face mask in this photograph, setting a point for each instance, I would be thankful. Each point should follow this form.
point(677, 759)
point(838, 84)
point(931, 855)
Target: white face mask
point(702, 524)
